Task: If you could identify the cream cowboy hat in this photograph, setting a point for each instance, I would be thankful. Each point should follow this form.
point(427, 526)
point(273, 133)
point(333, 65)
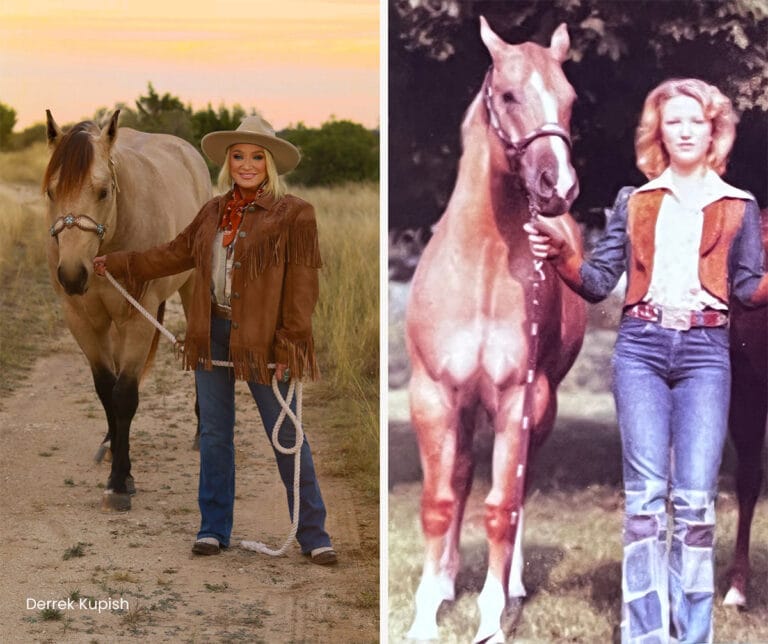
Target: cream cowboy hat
point(257, 131)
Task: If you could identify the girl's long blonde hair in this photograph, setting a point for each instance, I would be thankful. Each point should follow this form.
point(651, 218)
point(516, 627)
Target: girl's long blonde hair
point(652, 157)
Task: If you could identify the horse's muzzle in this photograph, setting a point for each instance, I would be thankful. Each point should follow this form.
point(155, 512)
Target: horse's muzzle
point(548, 203)
point(74, 282)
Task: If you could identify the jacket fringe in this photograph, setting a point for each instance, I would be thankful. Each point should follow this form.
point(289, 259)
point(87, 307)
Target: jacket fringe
point(194, 354)
point(200, 249)
point(262, 255)
point(303, 248)
point(301, 358)
point(250, 365)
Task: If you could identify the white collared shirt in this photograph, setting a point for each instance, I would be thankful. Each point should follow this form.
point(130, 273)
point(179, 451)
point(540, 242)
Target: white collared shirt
point(675, 280)
point(221, 273)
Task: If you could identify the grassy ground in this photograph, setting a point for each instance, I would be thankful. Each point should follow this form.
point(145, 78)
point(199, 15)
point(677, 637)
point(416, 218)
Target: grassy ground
point(347, 320)
point(572, 570)
point(28, 307)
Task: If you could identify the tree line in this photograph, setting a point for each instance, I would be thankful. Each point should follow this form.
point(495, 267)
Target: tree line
point(338, 151)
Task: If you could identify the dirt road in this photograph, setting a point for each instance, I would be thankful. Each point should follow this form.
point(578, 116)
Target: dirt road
point(119, 577)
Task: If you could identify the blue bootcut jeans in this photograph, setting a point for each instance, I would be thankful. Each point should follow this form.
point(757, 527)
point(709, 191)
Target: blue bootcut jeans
point(216, 495)
point(672, 390)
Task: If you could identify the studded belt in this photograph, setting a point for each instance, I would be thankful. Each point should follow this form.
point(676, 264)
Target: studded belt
point(219, 311)
point(680, 319)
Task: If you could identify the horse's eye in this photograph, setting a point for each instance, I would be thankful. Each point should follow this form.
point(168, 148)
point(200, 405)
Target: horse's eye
point(508, 98)
point(103, 194)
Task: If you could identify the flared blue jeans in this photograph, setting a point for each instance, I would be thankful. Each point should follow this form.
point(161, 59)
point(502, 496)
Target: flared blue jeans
point(672, 390)
point(216, 493)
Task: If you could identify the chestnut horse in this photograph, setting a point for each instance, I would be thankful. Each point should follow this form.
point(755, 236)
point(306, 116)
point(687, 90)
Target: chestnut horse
point(106, 193)
point(471, 319)
point(749, 407)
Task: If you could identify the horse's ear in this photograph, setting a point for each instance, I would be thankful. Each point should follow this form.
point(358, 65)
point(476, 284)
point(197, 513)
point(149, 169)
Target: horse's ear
point(560, 43)
point(492, 41)
point(51, 129)
point(109, 131)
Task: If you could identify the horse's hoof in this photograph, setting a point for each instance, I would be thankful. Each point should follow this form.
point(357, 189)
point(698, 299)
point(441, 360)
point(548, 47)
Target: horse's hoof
point(734, 597)
point(115, 501)
point(103, 453)
point(130, 485)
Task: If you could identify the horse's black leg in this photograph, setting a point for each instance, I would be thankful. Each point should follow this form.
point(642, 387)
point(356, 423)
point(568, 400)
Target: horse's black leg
point(749, 407)
point(125, 398)
point(104, 382)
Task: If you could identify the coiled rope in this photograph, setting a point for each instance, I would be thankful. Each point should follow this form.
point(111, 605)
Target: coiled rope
point(296, 387)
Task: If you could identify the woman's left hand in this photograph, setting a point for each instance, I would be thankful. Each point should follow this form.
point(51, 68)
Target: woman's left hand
point(282, 372)
point(100, 265)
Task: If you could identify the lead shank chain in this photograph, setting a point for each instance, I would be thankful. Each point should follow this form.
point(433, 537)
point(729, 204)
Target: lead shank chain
point(538, 276)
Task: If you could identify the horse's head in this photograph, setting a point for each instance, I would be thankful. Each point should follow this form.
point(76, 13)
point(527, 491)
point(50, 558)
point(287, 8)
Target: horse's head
point(528, 101)
point(80, 186)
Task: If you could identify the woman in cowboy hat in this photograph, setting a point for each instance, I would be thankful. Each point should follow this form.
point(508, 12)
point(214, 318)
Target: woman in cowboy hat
point(256, 252)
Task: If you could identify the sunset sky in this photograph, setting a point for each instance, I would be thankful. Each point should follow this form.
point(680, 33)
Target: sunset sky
point(292, 60)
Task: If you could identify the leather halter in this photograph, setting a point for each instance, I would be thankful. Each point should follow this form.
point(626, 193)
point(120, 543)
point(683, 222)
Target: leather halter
point(83, 222)
point(516, 149)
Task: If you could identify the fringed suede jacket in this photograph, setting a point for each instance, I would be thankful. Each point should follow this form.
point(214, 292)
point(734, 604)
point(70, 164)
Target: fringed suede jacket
point(274, 285)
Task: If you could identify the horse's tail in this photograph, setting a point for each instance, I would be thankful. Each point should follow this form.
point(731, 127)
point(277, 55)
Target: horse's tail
point(155, 342)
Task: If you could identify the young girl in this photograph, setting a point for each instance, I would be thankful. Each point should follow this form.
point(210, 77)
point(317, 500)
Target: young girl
point(687, 241)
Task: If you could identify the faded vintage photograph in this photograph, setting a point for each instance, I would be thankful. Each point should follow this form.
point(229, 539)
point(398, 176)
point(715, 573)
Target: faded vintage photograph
point(577, 332)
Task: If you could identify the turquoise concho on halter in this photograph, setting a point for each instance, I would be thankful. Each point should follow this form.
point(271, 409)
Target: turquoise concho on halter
point(83, 222)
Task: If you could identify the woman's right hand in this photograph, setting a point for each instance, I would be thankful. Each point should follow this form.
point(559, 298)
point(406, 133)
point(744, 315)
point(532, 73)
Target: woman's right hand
point(100, 265)
point(546, 241)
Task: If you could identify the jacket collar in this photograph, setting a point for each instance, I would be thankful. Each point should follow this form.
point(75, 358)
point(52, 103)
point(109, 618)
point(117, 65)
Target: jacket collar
point(266, 201)
point(713, 188)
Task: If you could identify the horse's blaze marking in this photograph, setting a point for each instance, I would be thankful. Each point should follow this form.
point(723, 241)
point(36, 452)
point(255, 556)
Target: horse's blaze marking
point(559, 147)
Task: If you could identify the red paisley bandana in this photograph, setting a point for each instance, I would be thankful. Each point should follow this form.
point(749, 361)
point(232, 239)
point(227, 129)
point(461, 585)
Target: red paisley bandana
point(233, 215)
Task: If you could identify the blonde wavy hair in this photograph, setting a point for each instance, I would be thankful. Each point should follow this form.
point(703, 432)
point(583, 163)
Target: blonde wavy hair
point(652, 157)
point(274, 185)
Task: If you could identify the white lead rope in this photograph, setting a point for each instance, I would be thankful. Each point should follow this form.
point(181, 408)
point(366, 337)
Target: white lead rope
point(285, 410)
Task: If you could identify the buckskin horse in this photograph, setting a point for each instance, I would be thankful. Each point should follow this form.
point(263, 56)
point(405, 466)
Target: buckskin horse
point(108, 190)
point(747, 422)
point(473, 320)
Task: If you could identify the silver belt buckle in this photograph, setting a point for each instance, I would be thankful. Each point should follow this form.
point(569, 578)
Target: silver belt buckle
point(677, 319)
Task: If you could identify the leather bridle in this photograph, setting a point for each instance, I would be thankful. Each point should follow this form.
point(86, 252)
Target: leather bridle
point(516, 148)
